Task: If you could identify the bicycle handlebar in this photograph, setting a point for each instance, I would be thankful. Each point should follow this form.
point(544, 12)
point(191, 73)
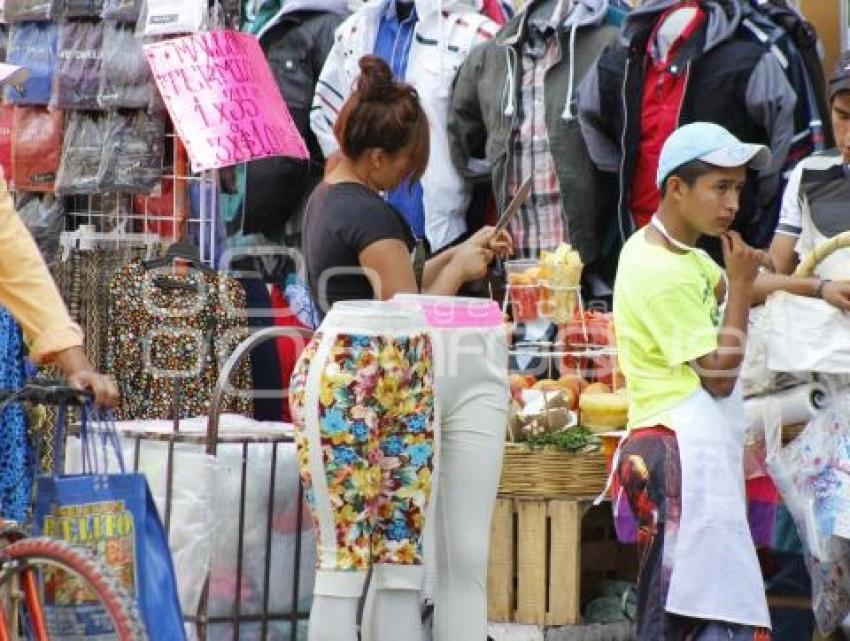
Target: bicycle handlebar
point(47, 393)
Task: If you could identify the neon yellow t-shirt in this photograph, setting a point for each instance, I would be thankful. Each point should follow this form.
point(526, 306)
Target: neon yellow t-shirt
point(666, 315)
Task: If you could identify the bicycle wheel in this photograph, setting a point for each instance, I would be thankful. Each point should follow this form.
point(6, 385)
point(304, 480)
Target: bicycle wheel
point(56, 592)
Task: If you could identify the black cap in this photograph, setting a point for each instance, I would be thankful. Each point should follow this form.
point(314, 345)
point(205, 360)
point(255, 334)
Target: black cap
point(840, 79)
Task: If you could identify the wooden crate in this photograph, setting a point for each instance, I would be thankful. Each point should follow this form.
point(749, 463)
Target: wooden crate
point(546, 555)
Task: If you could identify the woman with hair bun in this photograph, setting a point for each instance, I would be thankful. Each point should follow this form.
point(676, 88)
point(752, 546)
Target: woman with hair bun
point(356, 245)
point(362, 394)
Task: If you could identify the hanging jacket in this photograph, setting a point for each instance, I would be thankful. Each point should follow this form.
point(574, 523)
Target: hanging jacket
point(257, 13)
point(486, 7)
point(483, 115)
point(296, 42)
point(794, 43)
point(731, 81)
point(444, 35)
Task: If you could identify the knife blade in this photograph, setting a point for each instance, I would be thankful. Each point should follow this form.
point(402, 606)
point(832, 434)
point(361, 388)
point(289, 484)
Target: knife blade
point(515, 204)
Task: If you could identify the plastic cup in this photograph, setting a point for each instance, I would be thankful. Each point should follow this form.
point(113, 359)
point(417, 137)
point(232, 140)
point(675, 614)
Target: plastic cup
point(523, 290)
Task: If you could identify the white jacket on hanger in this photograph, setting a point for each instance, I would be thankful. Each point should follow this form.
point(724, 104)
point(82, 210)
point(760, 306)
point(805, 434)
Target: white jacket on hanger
point(356, 5)
point(443, 36)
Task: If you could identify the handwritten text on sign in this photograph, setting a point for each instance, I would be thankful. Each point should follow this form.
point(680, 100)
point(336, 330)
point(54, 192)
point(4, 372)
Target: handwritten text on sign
point(223, 99)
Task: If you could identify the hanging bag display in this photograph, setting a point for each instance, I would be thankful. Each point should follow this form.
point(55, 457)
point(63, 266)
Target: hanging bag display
point(130, 536)
point(21, 10)
point(36, 148)
point(32, 45)
point(126, 80)
point(81, 154)
point(133, 151)
point(78, 8)
point(76, 82)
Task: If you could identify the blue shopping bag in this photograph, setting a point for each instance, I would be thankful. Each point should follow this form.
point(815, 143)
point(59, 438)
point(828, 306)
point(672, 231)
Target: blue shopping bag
point(114, 515)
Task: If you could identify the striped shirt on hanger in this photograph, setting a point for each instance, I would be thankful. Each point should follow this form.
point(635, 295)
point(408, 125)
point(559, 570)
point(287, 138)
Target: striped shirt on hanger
point(540, 224)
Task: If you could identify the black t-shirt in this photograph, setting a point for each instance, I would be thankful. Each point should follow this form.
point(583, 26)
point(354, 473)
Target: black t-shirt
point(341, 221)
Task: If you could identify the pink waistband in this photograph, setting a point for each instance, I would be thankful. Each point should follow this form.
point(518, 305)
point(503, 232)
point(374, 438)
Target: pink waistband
point(445, 312)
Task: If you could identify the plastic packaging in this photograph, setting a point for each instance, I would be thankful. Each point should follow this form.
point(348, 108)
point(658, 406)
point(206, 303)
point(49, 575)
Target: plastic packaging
point(284, 533)
point(126, 80)
point(22, 10)
point(204, 527)
point(812, 473)
point(132, 152)
point(32, 45)
point(4, 35)
point(77, 79)
point(44, 216)
point(524, 283)
point(193, 506)
point(121, 10)
point(78, 8)
point(79, 170)
point(168, 18)
point(36, 148)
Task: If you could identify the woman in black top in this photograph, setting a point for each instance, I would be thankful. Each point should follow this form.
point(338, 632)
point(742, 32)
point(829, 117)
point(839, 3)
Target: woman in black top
point(358, 246)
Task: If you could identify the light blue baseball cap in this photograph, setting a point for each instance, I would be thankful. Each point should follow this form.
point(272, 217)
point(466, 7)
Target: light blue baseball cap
point(710, 143)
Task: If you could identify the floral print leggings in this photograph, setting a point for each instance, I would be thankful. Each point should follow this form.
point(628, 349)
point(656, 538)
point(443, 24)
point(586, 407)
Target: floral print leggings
point(363, 408)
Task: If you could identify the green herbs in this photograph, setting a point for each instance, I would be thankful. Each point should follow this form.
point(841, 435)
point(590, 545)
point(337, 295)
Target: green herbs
point(576, 439)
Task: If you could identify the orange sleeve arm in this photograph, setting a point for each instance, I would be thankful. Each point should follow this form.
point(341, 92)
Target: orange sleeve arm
point(28, 291)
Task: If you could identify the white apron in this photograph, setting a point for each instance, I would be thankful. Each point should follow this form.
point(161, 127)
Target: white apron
point(715, 574)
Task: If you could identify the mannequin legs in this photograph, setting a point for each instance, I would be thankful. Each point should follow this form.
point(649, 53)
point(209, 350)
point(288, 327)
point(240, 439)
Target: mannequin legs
point(472, 389)
point(392, 605)
point(333, 618)
point(363, 407)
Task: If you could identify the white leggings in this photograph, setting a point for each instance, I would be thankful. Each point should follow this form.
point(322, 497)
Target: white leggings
point(471, 380)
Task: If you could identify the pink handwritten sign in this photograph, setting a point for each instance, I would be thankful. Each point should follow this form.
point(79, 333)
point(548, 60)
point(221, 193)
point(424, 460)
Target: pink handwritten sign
point(223, 99)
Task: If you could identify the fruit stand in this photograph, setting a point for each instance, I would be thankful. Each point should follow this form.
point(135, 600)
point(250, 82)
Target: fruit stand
point(549, 545)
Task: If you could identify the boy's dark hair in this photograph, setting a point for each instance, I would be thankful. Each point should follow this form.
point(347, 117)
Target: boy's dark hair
point(839, 81)
point(690, 172)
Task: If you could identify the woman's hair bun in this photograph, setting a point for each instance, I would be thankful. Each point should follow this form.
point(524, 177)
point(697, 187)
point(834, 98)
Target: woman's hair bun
point(376, 82)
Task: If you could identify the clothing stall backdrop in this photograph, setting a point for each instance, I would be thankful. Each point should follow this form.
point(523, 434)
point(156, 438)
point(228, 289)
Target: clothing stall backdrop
point(845, 25)
point(103, 183)
point(826, 15)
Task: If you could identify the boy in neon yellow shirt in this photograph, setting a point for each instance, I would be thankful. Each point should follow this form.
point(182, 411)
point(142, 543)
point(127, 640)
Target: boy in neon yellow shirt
point(681, 466)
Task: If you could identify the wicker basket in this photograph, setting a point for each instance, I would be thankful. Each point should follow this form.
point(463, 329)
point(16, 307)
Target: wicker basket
point(806, 269)
point(549, 472)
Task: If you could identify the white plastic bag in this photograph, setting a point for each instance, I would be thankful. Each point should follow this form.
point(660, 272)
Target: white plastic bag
point(812, 473)
point(222, 519)
point(194, 505)
point(806, 335)
point(284, 533)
